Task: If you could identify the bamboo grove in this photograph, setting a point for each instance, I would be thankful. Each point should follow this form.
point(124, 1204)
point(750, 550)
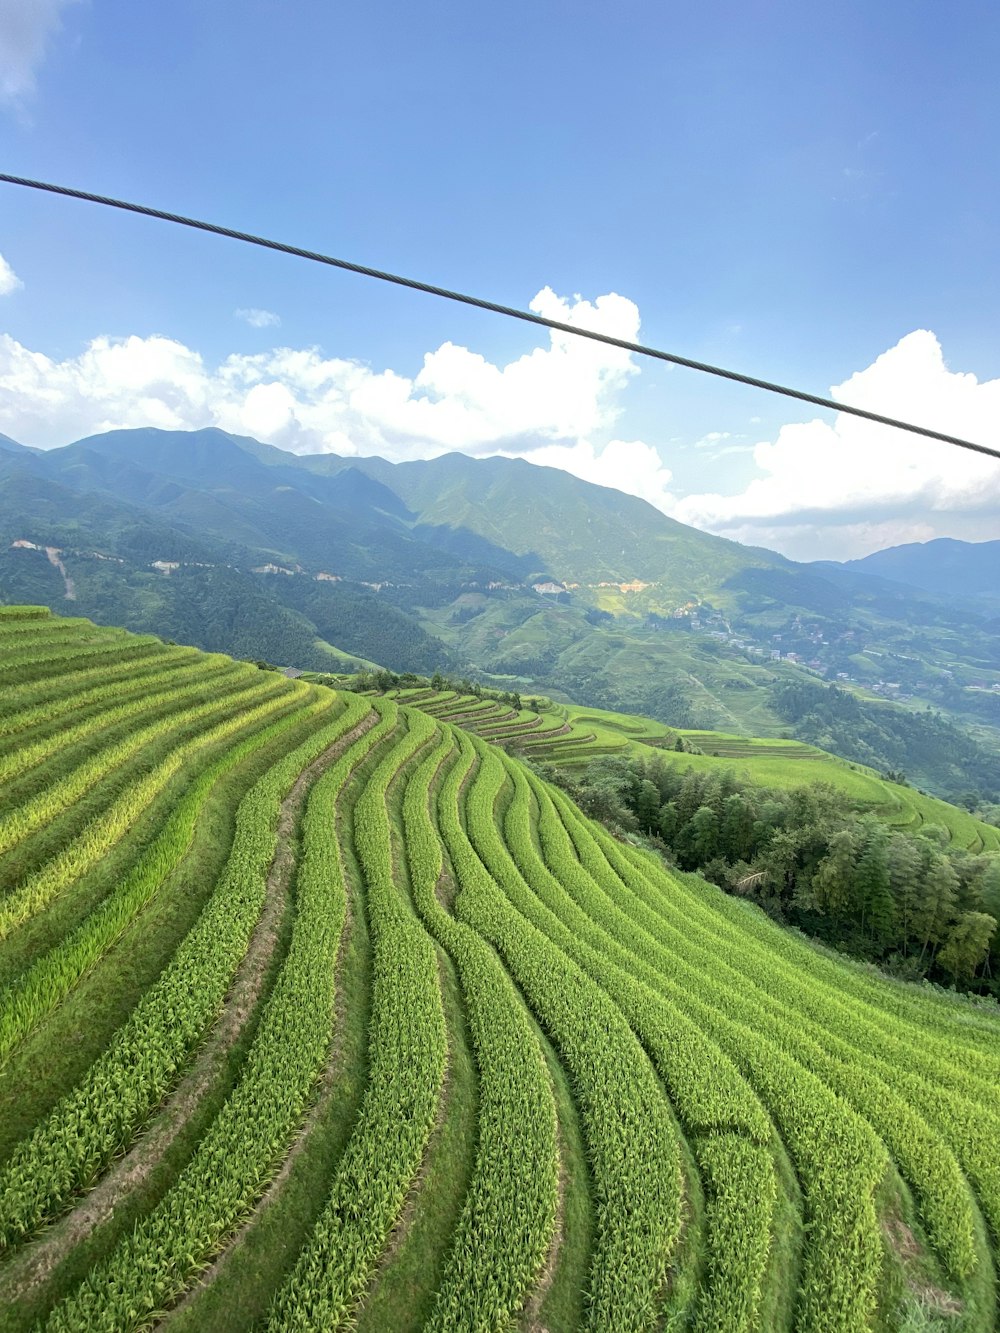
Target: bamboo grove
point(319, 1011)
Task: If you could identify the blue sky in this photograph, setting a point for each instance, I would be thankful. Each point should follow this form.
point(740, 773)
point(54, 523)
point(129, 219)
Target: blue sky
point(793, 190)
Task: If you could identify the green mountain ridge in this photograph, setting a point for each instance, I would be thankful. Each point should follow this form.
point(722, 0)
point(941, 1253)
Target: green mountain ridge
point(502, 568)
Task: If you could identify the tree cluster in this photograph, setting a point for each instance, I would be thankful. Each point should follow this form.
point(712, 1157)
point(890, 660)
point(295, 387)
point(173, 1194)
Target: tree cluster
point(906, 901)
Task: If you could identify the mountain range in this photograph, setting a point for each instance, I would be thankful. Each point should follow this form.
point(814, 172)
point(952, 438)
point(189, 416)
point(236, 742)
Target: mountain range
point(944, 566)
point(494, 567)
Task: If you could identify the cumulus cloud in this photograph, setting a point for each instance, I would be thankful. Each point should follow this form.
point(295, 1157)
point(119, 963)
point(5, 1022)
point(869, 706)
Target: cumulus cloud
point(626, 465)
point(556, 405)
point(9, 281)
point(850, 486)
point(258, 319)
point(834, 489)
point(26, 28)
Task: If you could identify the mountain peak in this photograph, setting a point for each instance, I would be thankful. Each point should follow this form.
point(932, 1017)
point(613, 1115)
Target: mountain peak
point(945, 566)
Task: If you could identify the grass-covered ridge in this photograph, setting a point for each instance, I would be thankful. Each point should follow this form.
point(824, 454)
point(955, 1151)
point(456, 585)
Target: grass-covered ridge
point(322, 1010)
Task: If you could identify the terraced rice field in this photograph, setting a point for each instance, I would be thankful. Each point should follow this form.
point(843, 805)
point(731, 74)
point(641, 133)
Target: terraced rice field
point(320, 1012)
point(575, 736)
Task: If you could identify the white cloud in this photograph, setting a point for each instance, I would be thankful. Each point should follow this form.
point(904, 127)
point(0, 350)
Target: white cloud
point(26, 28)
point(729, 449)
point(626, 465)
point(837, 489)
point(9, 281)
point(557, 405)
point(258, 319)
point(846, 541)
point(850, 485)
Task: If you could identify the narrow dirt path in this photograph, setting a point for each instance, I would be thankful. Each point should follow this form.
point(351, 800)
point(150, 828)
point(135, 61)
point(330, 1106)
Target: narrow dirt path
point(29, 1269)
point(531, 1318)
point(553, 733)
point(325, 1091)
point(401, 1227)
point(400, 1230)
point(468, 720)
point(323, 1094)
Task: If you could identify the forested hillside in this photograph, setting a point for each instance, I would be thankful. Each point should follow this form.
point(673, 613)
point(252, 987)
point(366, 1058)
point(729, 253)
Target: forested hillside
point(926, 745)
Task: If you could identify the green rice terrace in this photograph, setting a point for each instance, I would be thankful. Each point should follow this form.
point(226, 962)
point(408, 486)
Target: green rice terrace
point(571, 736)
point(320, 1010)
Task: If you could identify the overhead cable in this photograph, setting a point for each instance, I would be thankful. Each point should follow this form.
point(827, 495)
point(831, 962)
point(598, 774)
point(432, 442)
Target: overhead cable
point(526, 316)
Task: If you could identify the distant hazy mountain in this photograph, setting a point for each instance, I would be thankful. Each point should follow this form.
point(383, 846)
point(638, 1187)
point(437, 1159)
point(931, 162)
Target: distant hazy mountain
point(944, 566)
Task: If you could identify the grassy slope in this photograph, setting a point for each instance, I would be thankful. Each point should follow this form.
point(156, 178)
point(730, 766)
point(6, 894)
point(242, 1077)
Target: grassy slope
point(708, 987)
